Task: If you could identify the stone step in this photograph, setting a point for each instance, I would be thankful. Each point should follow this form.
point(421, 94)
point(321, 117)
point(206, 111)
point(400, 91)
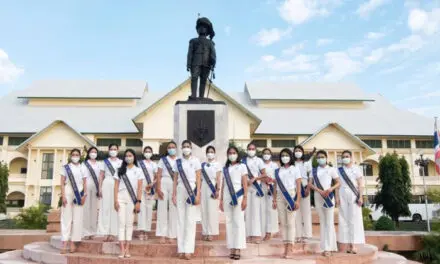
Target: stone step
point(43, 252)
point(13, 257)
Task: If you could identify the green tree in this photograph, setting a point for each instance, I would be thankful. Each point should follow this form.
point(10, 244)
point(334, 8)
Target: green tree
point(394, 187)
point(4, 174)
point(33, 217)
point(433, 194)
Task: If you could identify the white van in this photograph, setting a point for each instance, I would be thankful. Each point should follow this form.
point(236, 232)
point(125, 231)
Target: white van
point(418, 212)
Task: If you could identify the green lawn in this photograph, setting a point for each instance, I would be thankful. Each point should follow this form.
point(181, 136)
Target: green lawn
point(7, 224)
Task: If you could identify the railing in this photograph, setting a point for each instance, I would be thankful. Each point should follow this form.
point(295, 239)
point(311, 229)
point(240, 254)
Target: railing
point(17, 177)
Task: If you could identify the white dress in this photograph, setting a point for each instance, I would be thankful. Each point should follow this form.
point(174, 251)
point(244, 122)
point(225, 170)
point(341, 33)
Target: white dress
point(90, 208)
point(210, 215)
point(351, 225)
point(304, 214)
point(145, 216)
point(270, 222)
point(254, 210)
point(108, 217)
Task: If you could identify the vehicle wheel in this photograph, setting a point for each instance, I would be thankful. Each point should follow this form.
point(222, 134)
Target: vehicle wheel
point(417, 218)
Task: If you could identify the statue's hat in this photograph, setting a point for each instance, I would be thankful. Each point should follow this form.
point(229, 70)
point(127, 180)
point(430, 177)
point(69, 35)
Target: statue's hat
point(205, 21)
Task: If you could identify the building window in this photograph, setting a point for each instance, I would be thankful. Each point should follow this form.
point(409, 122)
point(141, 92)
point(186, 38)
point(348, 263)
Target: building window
point(134, 142)
point(399, 143)
point(46, 195)
point(105, 142)
point(424, 144)
point(283, 143)
point(424, 171)
point(23, 170)
point(368, 170)
point(16, 141)
point(260, 143)
point(47, 166)
point(373, 143)
point(1, 141)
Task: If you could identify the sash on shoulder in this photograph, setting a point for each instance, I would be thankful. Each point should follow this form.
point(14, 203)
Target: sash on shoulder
point(208, 180)
point(130, 191)
point(94, 177)
point(251, 176)
point(349, 183)
point(110, 167)
point(168, 166)
point(234, 195)
point(78, 195)
point(290, 201)
point(192, 193)
point(146, 174)
point(327, 201)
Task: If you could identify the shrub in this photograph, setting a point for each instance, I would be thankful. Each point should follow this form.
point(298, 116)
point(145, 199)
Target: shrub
point(368, 223)
point(430, 252)
point(34, 217)
point(384, 223)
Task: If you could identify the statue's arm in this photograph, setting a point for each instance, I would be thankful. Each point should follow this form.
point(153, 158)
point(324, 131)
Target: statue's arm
point(213, 55)
point(190, 55)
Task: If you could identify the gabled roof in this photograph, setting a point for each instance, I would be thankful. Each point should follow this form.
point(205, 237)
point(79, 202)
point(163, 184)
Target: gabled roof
point(34, 136)
point(305, 91)
point(94, 89)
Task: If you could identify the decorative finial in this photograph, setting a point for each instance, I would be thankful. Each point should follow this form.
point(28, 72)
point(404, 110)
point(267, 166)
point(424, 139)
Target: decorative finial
point(198, 15)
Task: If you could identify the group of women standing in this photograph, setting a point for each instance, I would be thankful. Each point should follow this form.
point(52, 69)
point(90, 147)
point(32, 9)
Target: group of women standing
point(258, 197)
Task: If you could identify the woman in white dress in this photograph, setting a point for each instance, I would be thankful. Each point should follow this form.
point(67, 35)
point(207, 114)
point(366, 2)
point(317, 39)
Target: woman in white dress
point(127, 196)
point(148, 170)
point(166, 226)
point(304, 214)
point(288, 197)
point(233, 202)
point(349, 199)
point(72, 177)
point(210, 217)
point(92, 170)
point(321, 183)
point(108, 217)
point(271, 219)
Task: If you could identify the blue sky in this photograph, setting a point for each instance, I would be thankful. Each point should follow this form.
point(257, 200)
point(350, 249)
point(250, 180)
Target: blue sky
point(384, 46)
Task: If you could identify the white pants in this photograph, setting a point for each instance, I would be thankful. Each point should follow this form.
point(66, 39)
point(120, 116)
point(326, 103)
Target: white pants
point(108, 217)
point(287, 218)
point(90, 210)
point(186, 222)
point(235, 225)
point(71, 218)
point(271, 215)
point(145, 216)
point(304, 219)
point(254, 213)
point(351, 225)
point(210, 217)
point(326, 224)
point(125, 216)
point(166, 211)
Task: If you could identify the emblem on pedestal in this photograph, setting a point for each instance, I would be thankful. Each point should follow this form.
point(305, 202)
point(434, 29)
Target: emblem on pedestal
point(201, 127)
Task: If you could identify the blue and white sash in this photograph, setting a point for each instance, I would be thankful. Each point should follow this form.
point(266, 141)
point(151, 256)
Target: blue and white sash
point(327, 201)
point(251, 176)
point(208, 180)
point(94, 177)
point(130, 191)
point(290, 201)
point(147, 175)
point(349, 183)
point(270, 191)
point(234, 195)
point(110, 167)
point(78, 195)
point(192, 193)
point(168, 166)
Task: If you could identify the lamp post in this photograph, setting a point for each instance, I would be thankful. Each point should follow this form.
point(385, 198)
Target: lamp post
point(364, 168)
point(421, 162)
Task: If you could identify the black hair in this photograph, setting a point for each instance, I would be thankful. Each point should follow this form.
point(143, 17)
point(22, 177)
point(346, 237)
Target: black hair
point(113, 145)
point(123, 169)
point(251, 144)
point(289, 152)
point(266, 149)
point(210, 147)
point(89, 150)
point(302, 150)
point(75, 150)
point(148, 147)
point(228, 162)
point(186, 141)
point(171, 142)
point(347, 152)
point(323, 152)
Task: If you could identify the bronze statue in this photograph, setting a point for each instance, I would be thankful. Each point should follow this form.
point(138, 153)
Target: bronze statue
point(201, 57)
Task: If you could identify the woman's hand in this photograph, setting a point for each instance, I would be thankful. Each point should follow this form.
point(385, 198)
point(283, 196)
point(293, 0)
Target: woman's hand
point(197, 201)
point(83, 199)
point(148, 187)
point(116, 206)
point(296, 206)
point(217, 194)
point(100, 194)
point(360, 202)
point(159, 194)
point(221, 206)
point(64, 200)
point(244, 204)
point(274, 204)
point(174, 200)
point(138, 207)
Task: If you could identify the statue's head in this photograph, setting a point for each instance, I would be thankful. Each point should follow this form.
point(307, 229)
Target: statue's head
point(202, 30)
point(204, 27)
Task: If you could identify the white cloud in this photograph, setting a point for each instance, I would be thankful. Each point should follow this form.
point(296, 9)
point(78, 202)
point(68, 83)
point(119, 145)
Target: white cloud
point(8, 70)
point(299, 11)
point(340, 65)
point(294, 48)
point(411, 43)
point(367, 7)
point(423, 21)
point(300, 63)
point(228, 30)
point(267, 37)
point(324, 41)
point(427, 95)
point(374, 35)
point(391, 70)
point(267, 58)
point(375, 56)
point(357, 51)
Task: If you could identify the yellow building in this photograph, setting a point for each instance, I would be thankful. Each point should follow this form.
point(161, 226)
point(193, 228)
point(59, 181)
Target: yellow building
point(40, 125)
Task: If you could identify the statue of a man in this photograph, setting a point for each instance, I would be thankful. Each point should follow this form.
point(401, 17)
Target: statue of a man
point(201, 56)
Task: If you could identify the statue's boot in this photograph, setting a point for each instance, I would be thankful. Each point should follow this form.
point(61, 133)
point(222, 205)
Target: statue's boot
point(202, 87)
point(193, 89)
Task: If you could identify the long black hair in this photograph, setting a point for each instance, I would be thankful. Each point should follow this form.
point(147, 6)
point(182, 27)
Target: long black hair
point(228, 162)
point(299, 147)
point(89, 150)
point(209, 147)
point(123, 168)
point(289, 152)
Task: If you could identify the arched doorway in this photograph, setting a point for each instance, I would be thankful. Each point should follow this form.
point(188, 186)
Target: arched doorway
point(371, 168)
point(15, 199)
point(18, 166)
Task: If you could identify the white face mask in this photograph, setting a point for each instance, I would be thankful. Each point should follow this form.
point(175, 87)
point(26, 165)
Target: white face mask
point(186, 151)
point(113, 153)
point(298, 154)
point(346, 161)
point(129, 160)
point(148, 155)
point(74, 159)
point(93, 155)
point(232, 157)
point(267, 156)
point(285, 159)
point(210, 156)
point(322, 161)
point(251, 153)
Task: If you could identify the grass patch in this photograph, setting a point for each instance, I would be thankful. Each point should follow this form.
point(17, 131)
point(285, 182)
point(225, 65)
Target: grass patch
point(8, 224)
